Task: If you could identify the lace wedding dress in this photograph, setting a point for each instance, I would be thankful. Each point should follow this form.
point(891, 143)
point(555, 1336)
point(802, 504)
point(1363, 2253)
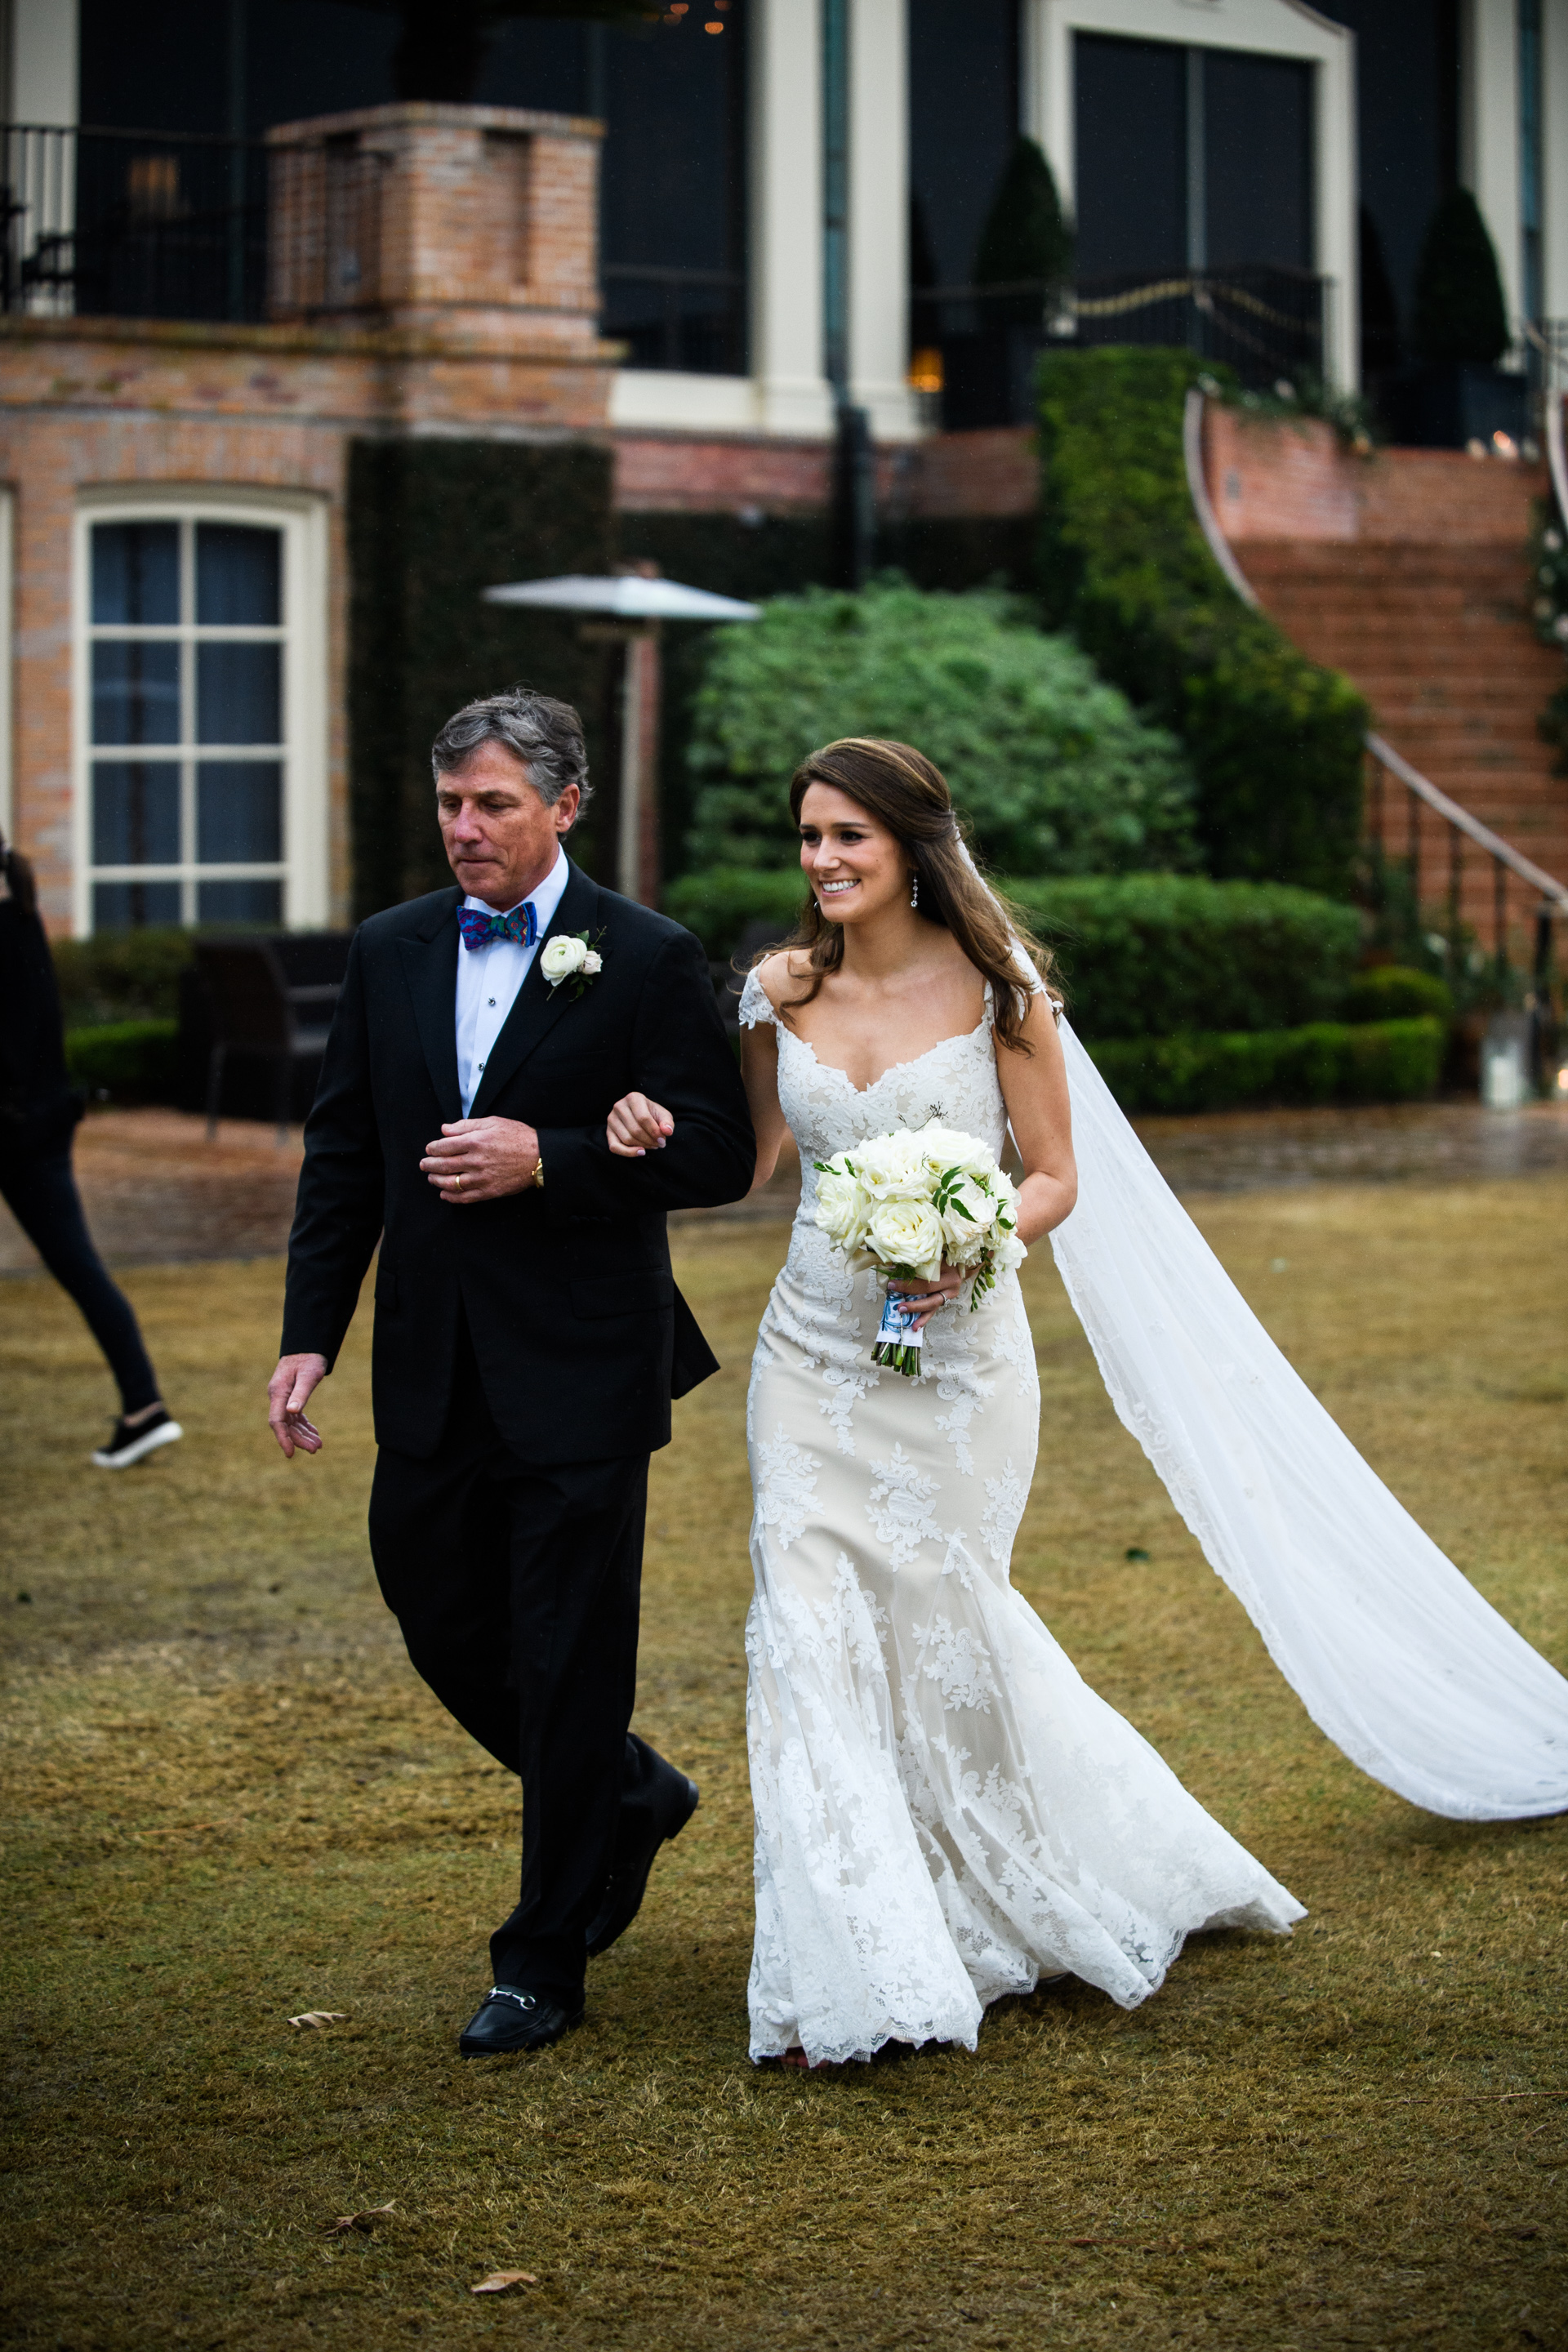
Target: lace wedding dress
point(945, 1811)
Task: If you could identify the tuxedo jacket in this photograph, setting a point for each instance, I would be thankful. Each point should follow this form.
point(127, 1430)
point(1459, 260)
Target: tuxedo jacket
point(580, 1334)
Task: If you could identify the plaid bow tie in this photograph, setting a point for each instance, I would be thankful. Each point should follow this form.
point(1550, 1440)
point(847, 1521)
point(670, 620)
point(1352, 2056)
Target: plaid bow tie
point(479, 929)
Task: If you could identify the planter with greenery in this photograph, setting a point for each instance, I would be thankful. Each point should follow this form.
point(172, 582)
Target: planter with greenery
point(1275, 742)
point(1051, 767)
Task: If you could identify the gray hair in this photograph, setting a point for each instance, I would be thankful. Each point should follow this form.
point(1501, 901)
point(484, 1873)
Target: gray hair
point(545, 735)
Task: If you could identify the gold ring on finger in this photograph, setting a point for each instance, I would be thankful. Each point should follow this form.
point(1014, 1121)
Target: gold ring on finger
point(457, 1182)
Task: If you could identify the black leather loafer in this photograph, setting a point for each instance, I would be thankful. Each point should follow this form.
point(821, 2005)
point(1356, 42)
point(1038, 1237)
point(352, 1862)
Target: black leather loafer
point(628, 1879)
point(508, 2018)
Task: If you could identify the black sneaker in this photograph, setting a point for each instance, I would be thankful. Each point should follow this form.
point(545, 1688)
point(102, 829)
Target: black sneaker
point(128, 1445)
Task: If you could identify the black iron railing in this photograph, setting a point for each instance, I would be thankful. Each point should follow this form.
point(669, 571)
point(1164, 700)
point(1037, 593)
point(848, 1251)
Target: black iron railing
point(131, 223)
point(980, 342)
point(693, 320)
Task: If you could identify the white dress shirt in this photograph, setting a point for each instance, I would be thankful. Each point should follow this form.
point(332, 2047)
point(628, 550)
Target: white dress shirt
point(489, 977)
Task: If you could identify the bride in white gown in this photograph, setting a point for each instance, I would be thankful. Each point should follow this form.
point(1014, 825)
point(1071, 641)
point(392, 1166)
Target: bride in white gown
point(945, 1811)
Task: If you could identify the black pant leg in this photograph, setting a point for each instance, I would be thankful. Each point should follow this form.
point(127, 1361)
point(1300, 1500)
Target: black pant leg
point(577, 1539)
point(517, 1591)
point(42, 1196)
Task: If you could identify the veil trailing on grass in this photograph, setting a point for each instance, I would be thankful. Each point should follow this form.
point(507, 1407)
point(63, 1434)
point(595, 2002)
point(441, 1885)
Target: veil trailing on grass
point(1391, 1651)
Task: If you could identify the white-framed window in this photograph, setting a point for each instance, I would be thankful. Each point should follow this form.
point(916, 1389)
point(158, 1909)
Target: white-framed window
point(201, 774)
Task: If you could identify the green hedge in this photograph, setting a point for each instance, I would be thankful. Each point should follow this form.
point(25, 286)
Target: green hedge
point(1167, 951)
point(432, 524)
point(1325, 1062)
point(1275, 742)
point(1394, 992)
point(1136, 950)
point(131, 1061)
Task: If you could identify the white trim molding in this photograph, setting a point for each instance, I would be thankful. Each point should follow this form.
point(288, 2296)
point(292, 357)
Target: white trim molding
point(1554, 157)
point(880, 217)
point(1286, 28)
point(1489, 132)
point(303, 868)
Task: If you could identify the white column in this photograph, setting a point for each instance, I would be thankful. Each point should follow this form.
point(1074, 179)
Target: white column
point(1555, 158)
point(879, 217)
point(43, 76)
point(791, 394)
point(1488, 130)
point(1335, 238)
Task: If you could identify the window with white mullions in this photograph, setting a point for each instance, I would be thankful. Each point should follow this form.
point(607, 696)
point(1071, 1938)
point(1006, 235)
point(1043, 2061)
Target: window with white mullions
point(187, 657)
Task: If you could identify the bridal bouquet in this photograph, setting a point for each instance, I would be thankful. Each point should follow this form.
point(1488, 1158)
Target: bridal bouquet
point(904, 1203)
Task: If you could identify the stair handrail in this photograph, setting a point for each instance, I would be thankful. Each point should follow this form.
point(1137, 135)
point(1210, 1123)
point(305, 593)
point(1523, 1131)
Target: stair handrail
point(1524, 868)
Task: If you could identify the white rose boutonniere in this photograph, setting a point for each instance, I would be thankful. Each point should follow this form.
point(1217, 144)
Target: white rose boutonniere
point(569, 956)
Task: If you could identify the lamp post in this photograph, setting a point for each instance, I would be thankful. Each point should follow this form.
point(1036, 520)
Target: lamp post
point(633, 606)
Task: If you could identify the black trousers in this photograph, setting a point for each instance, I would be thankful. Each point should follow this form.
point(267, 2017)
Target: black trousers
point(41, 1194)
point(517, 1588)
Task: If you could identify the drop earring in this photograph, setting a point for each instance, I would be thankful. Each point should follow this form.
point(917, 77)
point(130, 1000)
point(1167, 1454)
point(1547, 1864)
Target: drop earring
point(914, 890)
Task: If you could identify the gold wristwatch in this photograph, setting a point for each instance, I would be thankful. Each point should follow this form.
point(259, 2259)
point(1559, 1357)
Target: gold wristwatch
point(539, 1172)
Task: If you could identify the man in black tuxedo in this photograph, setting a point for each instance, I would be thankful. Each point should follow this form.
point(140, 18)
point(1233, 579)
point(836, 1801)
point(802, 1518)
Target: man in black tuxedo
point(529, 1336)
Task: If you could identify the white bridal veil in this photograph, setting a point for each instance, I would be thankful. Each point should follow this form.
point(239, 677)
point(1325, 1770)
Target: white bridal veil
point(1391, 1651)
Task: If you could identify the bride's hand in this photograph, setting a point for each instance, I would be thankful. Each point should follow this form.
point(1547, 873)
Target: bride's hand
point(636, 1126)
point(930, 1296)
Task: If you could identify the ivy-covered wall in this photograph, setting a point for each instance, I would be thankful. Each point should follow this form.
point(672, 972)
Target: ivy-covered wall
point(1275, 740)
point(432, 524)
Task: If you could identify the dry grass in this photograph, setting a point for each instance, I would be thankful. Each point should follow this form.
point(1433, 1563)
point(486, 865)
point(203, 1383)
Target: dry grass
point(232, 1802)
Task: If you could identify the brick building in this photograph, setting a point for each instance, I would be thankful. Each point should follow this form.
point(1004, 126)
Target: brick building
point(283, 353)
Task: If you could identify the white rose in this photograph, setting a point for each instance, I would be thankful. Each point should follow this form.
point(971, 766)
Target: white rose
point(966, 1234)
point(949, 1147)
point(563, 956)
point(591, 963)
point(907, 1233)
point(841, 1208)
point(893, 1168)
point(1010, 1253)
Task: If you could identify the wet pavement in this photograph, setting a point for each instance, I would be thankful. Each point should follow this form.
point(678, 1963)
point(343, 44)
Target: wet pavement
point(157, 1192)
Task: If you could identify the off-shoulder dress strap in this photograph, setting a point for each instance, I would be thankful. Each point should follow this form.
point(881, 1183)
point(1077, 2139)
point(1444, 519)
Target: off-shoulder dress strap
point(754, 1004)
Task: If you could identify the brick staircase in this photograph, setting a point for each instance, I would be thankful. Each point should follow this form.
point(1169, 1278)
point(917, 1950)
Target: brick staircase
point(1425, 608)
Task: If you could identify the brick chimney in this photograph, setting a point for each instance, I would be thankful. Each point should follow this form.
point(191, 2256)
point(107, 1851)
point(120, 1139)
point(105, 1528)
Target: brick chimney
point(474, 226)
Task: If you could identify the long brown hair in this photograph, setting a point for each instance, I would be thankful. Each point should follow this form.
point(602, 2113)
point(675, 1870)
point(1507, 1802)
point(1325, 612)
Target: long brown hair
point(901, 788)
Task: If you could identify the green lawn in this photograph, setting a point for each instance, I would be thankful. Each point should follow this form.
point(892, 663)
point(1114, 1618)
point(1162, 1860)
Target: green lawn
point(231, 1801)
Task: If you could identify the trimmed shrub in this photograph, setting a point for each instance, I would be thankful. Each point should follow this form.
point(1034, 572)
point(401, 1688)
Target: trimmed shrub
point(1275, 742)
point(1172, 952)
point(1053, 769)
point(1325, 1062)
point(131, 1061)
point(1136, 952)
point(1393, 991)
point(1458, 314)
point(120, 976)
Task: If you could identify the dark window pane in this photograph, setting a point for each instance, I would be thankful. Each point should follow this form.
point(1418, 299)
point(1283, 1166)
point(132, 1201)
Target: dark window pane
point(1257, 160)
point(136, 813)
point(1131, 100)
point(135, 692)
point(237, 575)
point(239, 812)
point(240, 902)
point(136, 573)
point(133, 905)
point(964, 119)
point(237, 694)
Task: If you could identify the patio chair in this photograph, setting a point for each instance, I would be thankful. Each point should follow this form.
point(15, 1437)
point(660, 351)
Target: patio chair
point(261, 1008)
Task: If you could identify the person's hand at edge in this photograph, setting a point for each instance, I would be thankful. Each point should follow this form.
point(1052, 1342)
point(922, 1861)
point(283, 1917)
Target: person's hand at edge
point(637, 1126)
point(288, 1393)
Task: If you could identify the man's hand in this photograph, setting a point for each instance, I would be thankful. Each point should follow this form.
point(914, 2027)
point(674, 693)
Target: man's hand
point(288, 1392)
point(481, 1160)
point(636, 1126)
